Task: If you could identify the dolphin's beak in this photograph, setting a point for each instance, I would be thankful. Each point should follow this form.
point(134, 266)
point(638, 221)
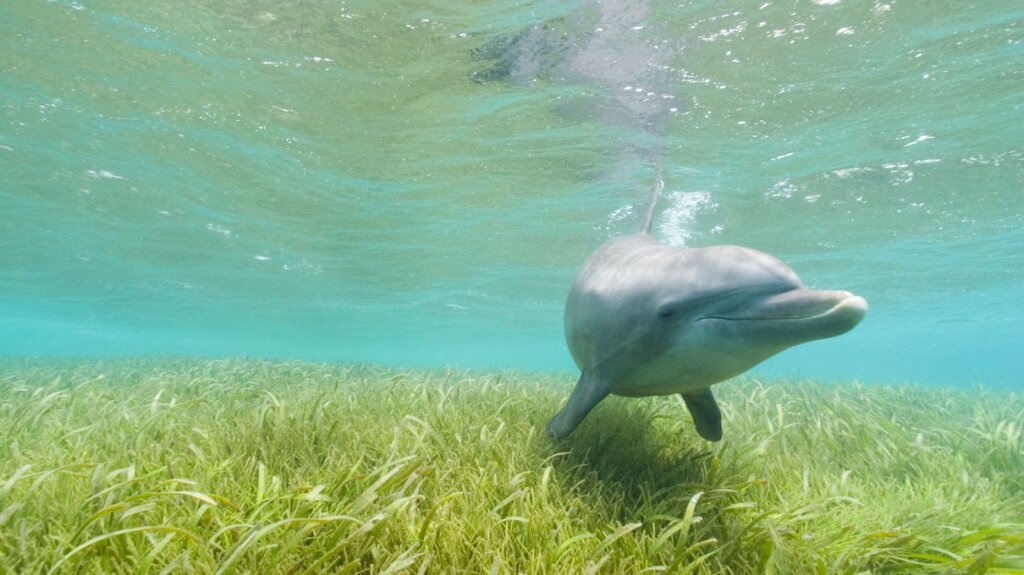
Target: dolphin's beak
point(806, 304)
point(798, 315)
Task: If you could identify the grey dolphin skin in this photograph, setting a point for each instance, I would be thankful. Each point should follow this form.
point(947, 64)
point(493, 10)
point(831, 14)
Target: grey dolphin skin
point(644, 318)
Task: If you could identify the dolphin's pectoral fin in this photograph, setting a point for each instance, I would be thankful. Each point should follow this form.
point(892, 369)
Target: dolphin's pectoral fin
point(589, 392)
point(705, 412)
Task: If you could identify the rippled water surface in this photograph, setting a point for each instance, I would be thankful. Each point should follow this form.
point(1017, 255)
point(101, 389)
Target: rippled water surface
point(418, 182)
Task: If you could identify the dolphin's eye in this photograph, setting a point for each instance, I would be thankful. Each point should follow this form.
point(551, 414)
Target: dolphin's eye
point(671, 312)
point(682, 309)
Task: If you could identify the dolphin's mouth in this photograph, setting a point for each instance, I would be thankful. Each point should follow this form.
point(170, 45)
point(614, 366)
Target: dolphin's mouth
point(799, 306)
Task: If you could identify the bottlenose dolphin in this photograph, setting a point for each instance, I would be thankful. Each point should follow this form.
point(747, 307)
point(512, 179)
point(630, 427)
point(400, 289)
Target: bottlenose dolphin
point(645, 318)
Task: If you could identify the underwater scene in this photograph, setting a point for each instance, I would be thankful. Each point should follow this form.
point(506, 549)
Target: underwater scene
point(522, 287)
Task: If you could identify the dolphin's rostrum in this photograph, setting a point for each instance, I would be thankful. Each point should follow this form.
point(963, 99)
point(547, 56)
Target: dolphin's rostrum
point(644, 318)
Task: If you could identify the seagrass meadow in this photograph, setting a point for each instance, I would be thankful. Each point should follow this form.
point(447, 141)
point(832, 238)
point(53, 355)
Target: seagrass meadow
point(245, 466)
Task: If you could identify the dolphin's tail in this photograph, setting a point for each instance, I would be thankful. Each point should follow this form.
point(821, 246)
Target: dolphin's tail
point(649, 217)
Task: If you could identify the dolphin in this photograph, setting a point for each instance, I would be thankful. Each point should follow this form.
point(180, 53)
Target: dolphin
point(645, 318)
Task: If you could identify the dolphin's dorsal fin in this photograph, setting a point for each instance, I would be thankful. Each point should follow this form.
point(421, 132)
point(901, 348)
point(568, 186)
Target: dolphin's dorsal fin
point(649, 217)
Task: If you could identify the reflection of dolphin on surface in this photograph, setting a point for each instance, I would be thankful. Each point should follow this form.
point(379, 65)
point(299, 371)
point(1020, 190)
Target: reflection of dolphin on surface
point(608, 44)
point(644, 318)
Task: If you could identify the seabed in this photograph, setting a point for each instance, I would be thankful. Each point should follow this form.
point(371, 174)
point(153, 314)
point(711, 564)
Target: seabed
point(248, 466)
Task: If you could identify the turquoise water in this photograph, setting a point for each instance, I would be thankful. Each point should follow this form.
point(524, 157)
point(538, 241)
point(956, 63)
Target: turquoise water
point(417, 183)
